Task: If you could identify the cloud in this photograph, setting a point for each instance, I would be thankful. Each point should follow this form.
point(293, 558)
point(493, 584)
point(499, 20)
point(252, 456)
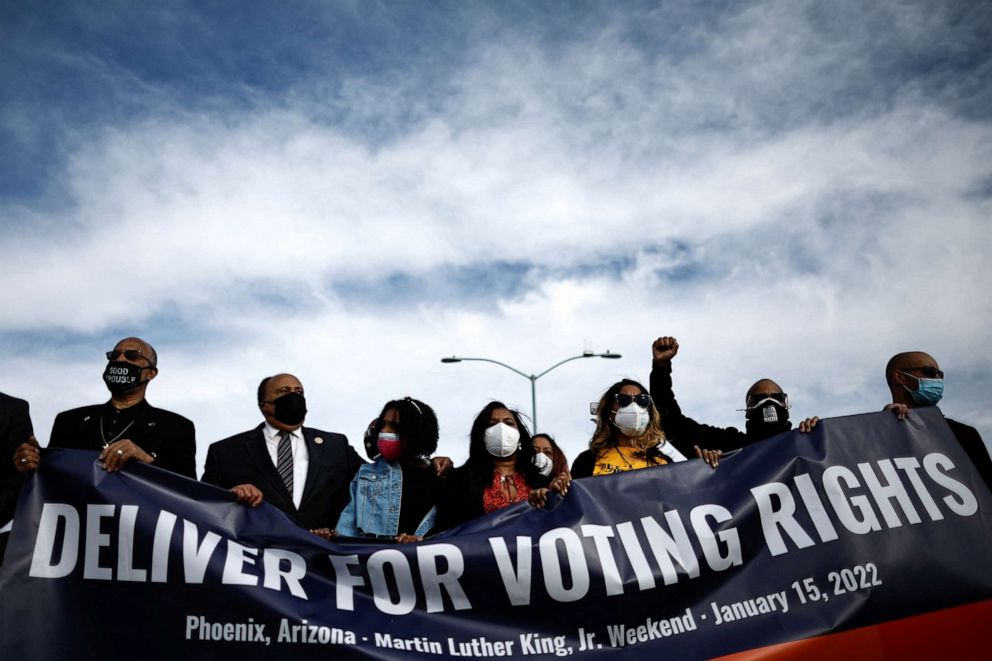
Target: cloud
point(793, 190)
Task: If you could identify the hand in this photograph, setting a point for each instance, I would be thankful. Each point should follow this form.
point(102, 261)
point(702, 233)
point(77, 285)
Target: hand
point(118, 453)
point(27, 456)
point(807, 425)
point(561, 483)
point(664, 348)
point(711, 457)
point(901, 410)
point(538, 498)
point(404, 538)
point(248, 494)
point(442, 465)
point(323, 533)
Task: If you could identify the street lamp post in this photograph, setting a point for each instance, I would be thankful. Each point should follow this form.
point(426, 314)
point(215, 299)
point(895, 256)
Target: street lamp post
point(534, 377)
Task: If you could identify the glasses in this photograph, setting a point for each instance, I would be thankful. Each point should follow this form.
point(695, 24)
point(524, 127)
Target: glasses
point(928, 372)
point(130, 354)
point(643, 400)
point(757, 399)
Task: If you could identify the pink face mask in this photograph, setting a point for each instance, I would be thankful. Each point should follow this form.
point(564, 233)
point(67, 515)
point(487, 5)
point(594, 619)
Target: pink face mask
point(389, 446)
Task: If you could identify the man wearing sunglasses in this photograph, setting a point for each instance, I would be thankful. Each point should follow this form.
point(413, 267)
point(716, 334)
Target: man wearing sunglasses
point(915, 380)
point(126, 428)
point(766, 410)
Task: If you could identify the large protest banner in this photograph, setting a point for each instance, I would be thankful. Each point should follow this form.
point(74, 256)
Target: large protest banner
point(868, 537)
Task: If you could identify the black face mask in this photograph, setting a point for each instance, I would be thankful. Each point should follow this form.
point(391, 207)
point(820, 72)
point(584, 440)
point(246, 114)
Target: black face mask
point(121, 376)
point(290, 409)
point(767, 420)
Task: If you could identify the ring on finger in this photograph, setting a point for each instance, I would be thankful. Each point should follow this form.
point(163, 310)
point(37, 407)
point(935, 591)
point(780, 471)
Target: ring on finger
point(120, 453)
point(23, 460)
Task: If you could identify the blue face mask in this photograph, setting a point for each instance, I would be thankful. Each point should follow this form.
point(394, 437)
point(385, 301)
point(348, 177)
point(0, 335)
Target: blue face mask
point(928, 392)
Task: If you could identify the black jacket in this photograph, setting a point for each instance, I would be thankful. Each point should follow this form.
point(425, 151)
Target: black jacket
point(973, 445)
point(167, 435)
point(684, 432)
point(244, 459)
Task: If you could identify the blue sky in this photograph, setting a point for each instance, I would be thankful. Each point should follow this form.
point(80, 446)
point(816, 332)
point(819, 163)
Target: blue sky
point(350, 191)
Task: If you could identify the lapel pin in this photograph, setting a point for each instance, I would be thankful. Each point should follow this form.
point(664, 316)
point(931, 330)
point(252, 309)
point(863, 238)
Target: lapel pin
point(319, 440)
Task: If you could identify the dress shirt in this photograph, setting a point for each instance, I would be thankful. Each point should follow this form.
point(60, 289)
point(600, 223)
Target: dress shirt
point(301, 458)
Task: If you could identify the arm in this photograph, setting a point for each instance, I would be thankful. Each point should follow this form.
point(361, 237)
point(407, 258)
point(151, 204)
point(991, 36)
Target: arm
point(18, 431)
point(684, 432)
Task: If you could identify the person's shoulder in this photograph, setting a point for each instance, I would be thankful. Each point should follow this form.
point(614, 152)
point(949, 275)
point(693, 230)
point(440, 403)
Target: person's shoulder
point(236, 439)
point(80, 411)
point(170, 416)
point(12, 402)
point(325, 436)
point(960, 429)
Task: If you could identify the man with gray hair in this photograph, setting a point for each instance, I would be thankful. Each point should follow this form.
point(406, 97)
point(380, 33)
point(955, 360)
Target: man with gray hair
point(125, 428)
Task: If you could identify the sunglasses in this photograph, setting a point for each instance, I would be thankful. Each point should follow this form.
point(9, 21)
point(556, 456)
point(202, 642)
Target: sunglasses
point(643, 400)
point(754, 399)
point(928, 372)
point(130, 354)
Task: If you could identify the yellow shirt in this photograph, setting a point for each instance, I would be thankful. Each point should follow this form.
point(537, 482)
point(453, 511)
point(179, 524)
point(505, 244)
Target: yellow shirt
point(618, 460)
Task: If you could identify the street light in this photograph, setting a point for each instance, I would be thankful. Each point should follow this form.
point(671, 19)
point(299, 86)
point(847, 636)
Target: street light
point(534, 377)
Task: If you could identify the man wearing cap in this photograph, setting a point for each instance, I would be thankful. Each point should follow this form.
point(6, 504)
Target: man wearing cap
point(126, 428)
point(915, 380)
point(766, 407)
point(304, 472)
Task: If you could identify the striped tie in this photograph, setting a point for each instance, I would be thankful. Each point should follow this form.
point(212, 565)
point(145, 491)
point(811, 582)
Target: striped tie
point(284, 464)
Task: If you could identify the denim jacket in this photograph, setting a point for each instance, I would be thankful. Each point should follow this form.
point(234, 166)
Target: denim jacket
point(376, 494)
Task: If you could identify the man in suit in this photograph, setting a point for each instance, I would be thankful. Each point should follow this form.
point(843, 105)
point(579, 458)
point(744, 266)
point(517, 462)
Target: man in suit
point(304, 472)
point(915, 380)
point(15, 428)
point(126, 428)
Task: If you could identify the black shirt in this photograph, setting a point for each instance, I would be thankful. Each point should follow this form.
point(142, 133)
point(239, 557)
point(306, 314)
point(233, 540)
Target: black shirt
point(169, 437)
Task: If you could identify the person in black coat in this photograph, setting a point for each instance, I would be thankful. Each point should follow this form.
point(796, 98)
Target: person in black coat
point(766, 410)
point(915, 380)
point(15, 429)
point(304, 472)
point(126, 428)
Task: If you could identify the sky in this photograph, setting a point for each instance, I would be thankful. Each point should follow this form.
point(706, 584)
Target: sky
point(351, 191)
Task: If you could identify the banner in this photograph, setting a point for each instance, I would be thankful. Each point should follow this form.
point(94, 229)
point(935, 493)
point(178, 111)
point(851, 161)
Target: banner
point(863, 536)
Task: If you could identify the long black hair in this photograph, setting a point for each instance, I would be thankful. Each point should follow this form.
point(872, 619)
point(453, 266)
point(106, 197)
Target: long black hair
point(479, 459)
point(417, 426)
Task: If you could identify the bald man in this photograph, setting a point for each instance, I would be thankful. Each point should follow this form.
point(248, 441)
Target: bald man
point(305, 472)
point(766, 406)
point(126, 428)
point(915, 380)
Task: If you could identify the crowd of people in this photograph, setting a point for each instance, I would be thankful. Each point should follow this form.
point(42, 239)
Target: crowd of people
point(406, 493)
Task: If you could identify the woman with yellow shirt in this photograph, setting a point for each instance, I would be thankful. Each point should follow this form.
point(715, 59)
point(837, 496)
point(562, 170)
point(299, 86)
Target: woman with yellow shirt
point(628, 435)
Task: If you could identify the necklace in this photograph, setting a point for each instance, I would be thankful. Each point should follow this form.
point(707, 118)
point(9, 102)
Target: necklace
point(103, 437)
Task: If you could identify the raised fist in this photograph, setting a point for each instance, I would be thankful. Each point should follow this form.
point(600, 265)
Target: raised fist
point(664, 348)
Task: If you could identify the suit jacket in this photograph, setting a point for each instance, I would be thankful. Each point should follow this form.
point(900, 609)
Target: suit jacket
point(244, 459)
point(15, 427)
point(167, 435)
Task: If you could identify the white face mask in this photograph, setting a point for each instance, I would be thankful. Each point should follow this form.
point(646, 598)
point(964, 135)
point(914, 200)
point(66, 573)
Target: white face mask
point(632, 419)
point(502, 440)
point(543, 463)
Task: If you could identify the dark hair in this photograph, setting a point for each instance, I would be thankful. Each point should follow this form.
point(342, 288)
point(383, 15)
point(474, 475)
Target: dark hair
point(417, 426)
point(559, 462)
point(479, 459)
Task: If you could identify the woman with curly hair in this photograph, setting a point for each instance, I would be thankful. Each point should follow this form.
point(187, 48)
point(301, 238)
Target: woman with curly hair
point(628, 435)
point(396, 495)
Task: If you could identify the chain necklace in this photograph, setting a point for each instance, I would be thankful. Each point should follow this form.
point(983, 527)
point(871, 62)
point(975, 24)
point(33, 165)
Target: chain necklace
point(103, 437)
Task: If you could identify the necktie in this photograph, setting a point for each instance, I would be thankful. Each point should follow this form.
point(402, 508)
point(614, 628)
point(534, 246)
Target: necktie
point(284, 463)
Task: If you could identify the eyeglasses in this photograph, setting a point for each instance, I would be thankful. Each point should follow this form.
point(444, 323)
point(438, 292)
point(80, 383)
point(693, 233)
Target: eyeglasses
point(130, 354)
point(643, 400)
point(757, 399)
point(927, 371)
